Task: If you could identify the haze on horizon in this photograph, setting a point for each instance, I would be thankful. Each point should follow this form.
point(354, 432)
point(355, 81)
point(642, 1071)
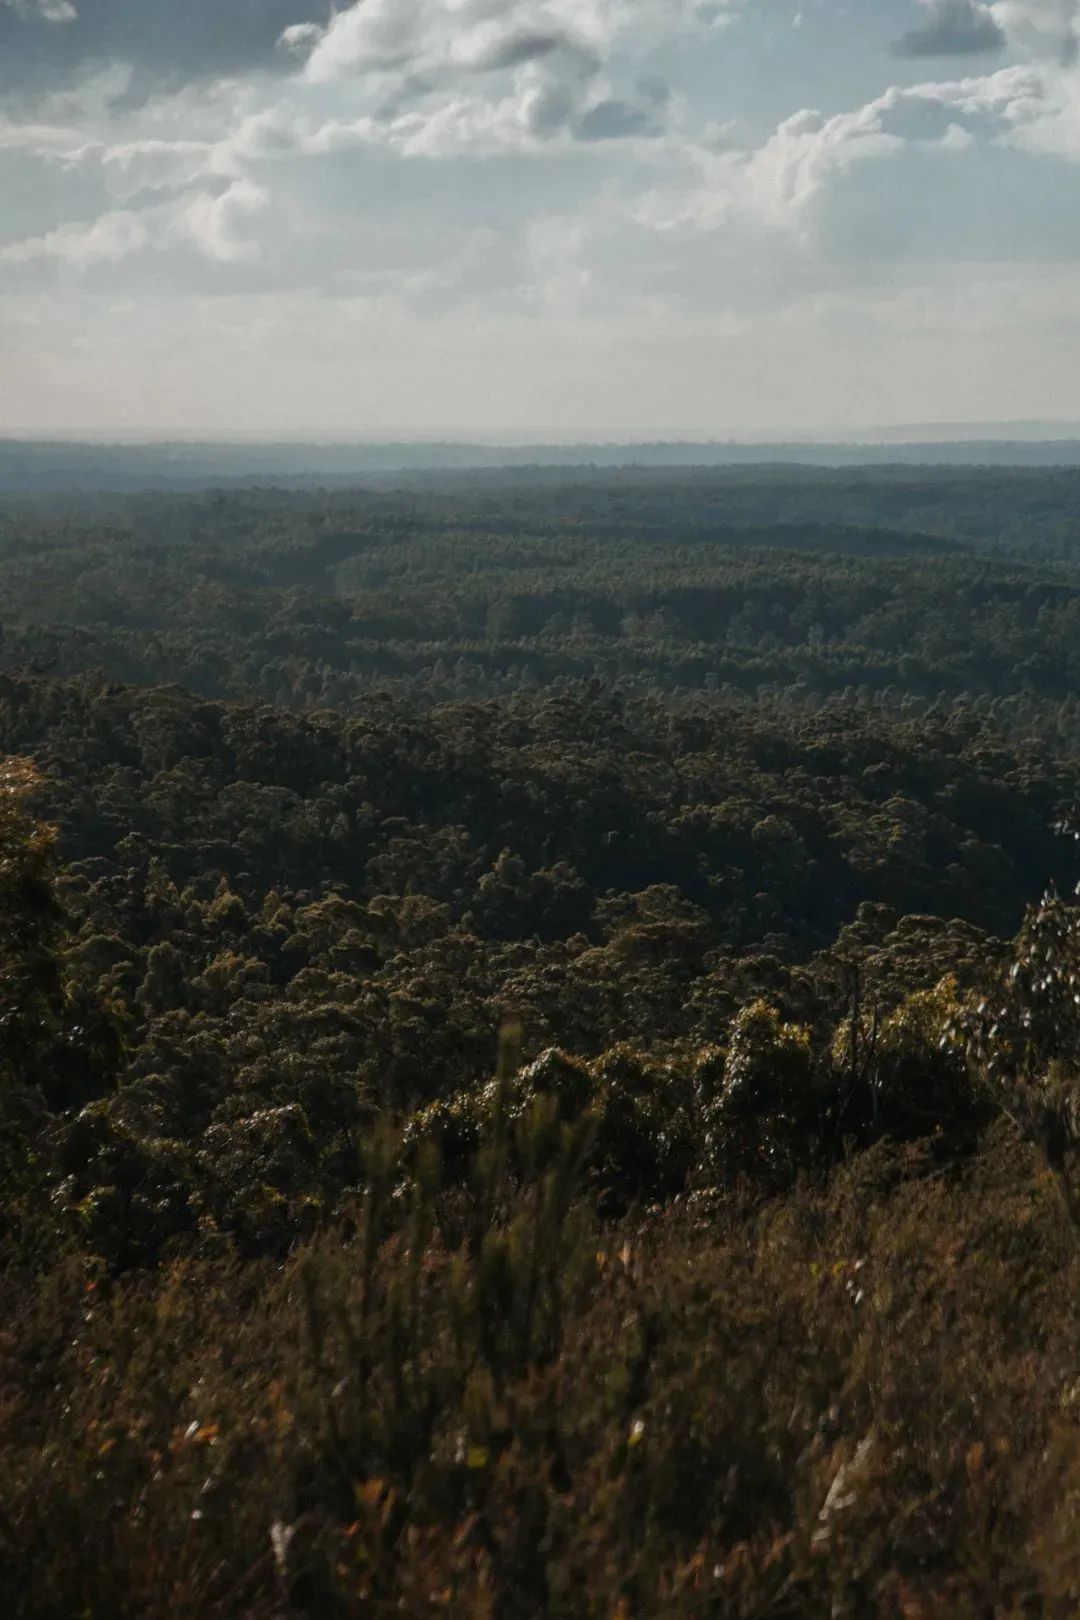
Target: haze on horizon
point(571, 219)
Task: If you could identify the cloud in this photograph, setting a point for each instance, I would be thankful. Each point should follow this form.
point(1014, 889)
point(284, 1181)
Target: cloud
point(794, 165)
point(1046, 28)
point(300, 38)
point(783, 188)
point(106, 240)
point(50, 11)
point(174, 42)
point(492, 49)
point(142, 167)
point(615, 120)
point(441, 38)
point(714, 13)
point(209, 223)
point(953, 28)
point(215, 223)
point(428, 77)
point(486, 36)
point(456, 76)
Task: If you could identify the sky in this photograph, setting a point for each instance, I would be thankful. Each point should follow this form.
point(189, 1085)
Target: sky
point(558, 219)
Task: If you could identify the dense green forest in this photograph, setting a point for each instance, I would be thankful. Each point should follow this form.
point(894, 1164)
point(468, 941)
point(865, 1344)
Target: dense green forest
point(539, 1035)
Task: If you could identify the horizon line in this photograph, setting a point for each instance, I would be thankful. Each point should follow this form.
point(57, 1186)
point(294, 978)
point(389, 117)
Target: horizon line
point(898, 436)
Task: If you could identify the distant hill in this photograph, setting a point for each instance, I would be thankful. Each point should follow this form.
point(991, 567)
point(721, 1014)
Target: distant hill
point(39, 466)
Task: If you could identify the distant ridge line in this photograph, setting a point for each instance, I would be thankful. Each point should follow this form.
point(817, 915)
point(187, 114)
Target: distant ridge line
point(30, 466)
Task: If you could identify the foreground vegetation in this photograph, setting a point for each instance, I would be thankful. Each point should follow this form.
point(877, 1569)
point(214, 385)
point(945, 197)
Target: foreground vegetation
point(579, 1130)
point(860, 1399)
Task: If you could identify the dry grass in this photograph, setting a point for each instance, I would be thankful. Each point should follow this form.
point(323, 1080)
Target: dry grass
point(859, 1400)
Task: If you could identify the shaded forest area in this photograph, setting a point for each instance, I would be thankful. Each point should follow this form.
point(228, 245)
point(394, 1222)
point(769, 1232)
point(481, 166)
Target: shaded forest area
point(803, 586)
point(540, 1024)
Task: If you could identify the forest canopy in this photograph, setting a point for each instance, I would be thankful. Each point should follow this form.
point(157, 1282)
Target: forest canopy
point(507, 983)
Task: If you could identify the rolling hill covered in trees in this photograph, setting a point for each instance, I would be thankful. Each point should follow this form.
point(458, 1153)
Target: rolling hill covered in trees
point(539, 1026)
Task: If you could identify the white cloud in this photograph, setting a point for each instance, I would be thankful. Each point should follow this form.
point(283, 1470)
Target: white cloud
point(301, 38)
point(107, 240)
point(491, 75)
point(32, 136)
point(779, 181)
point(1049, 28)
point(545, 70)
point(155, 165)
point(210, 218)
point(50, 11)
point(216, 224)
point(429, 36)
